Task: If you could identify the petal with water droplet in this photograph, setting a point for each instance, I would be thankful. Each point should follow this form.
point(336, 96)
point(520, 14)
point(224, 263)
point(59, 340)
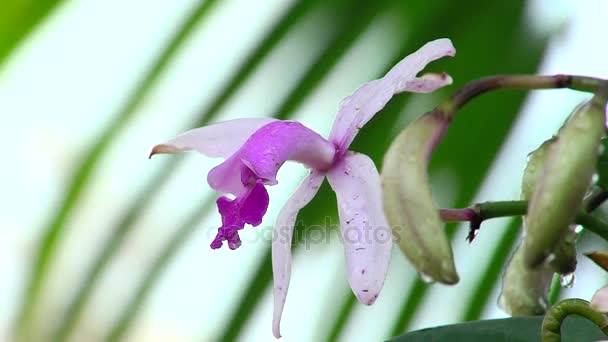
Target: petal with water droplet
point(366, 235)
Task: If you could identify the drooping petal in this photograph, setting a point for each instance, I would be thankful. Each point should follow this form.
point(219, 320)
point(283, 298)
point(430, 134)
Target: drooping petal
point(366, 235)
point(599, 302)
point(357, 109)
point(261, 156)
point(281, 242)
point(217, 140)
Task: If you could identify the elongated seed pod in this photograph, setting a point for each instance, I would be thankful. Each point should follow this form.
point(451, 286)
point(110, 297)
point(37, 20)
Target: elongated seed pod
point(408, 203)
point(564, 255)
point(566, 177)
point(524, 290)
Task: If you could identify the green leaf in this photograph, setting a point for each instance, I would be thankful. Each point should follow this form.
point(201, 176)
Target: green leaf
point(513, 329)
point(602, 165)
point(18, 18)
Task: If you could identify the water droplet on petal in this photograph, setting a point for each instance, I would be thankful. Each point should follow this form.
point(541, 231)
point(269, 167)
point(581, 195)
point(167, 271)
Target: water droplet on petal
point(578, 229)
point(567, 280)
point(426, 278)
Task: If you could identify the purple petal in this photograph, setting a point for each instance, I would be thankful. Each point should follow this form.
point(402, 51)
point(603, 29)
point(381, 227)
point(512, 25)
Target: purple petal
point(217, 140)
point(366, 234)
point(281, 243)
point(599, 302)
point(264, 153)
point(357, 109)
point(248, 208)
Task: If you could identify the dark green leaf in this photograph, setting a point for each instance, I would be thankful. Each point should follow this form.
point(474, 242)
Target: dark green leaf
point(516, 329)
point(18, 18)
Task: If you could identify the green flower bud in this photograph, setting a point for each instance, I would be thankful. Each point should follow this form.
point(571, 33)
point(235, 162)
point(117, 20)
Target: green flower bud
point(408, 203)
point(565, 179)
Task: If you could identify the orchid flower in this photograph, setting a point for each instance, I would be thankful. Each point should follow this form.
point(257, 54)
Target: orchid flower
point(255, 149)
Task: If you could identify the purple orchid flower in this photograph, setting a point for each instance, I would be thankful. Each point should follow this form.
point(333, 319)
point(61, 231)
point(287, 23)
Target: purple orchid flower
point(255, 149)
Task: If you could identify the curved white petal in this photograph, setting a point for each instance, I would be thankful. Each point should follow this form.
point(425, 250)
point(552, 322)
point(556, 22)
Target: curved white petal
point(281, 242)
point(360, 107)
point(366, 235)
point(414, 63)
point(221, 139)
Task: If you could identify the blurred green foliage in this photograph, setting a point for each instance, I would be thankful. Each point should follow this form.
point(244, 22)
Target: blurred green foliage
point(491, 38)
point(18, 18)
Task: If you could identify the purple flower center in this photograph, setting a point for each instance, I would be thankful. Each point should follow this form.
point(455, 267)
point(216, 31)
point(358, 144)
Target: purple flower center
point(256, 164)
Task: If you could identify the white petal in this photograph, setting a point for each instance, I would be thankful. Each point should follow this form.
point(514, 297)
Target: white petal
point(360, 107)
point(366, 234)
point(599, 302)
point(281, 242)
point(221, 139)
point(411, 65)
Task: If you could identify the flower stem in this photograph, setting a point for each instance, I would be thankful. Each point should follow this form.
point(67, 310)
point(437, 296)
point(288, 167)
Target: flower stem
point(472, 89)
point(480, 212)
point(557, 313)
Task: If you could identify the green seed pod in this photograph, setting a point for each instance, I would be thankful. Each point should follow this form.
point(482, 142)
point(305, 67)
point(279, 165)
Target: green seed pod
point(564, 255)
point(565, 179)
point(524, 290)
point(534, 168)
point(408, 202)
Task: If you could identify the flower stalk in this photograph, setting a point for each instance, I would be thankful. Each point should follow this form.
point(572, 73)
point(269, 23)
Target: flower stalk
point(475, 88)
point(480, 212)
